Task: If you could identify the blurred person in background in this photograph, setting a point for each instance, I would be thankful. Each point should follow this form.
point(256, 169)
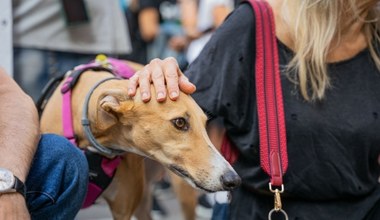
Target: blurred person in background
point(143, 28)
point(199, 19)
point(52, 36)
point(165, 24)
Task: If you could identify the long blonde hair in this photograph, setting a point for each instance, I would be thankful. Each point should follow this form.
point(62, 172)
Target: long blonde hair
point(316, 26)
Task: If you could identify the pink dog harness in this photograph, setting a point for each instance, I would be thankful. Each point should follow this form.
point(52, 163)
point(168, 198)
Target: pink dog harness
point(102, 169)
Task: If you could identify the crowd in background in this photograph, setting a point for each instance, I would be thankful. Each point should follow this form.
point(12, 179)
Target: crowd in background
point(58, 35)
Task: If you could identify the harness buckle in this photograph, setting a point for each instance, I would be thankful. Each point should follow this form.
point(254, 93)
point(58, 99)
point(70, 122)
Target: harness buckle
point(102, 60)
point(67, 85)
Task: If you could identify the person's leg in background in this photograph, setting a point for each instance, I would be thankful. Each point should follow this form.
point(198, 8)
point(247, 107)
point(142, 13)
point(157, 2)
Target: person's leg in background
point(33, 68)
point(57, 182)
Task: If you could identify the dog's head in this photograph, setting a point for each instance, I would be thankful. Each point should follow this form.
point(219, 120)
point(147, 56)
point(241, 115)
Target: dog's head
point(172, 132)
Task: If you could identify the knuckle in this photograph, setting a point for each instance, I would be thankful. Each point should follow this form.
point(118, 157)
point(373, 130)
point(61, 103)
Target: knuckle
point(170, 60)
point(172, 89)
point(134, 77)
point(160, 87)
point(131, 84)
point(143, 73)
point(155, 61)
point(157, 74)
point(172, 74)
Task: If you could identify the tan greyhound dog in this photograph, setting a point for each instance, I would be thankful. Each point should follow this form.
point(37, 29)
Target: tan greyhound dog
point(172, 133)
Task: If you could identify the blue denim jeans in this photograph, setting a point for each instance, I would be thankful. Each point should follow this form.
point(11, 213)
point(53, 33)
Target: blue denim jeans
point(57, 181)
point(220, 211)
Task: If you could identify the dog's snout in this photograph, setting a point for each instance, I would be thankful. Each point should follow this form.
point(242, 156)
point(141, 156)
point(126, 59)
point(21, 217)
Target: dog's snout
point(230, 180)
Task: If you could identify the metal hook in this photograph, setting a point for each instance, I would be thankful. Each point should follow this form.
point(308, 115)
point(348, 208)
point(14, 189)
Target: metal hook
point(277, 202)
point(280, 210)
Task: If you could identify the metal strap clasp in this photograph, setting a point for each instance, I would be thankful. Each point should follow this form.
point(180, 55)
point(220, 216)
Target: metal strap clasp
point(277, 202)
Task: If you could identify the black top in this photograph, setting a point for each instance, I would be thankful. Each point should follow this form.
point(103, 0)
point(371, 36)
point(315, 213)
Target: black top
point(333, 145)
point(166, 8)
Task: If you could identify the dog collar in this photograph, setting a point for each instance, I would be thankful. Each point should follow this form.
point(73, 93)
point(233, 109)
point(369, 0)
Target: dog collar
point(108, 152)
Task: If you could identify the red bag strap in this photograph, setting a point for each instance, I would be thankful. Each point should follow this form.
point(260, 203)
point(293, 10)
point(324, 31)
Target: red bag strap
point(271, 118)
point(273, 154)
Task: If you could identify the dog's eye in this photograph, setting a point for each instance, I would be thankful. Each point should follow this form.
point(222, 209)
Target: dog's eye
point(181, 124)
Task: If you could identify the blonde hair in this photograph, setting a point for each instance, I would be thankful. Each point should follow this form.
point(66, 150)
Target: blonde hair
point(315, 27)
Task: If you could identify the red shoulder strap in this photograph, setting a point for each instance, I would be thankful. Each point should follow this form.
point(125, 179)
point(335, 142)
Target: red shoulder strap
point(273, 152)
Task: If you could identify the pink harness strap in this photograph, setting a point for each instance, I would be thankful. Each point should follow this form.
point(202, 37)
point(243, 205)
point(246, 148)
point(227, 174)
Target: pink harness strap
point(108, 166)
point(94, 190)
point(118, 67)
point(68, 128)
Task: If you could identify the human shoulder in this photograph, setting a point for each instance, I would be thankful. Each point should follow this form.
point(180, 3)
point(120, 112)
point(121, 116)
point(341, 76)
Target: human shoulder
point(240, 21)
point(243, 12)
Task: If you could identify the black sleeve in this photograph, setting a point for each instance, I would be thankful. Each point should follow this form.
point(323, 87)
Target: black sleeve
point(224, 73)
point(148, 4)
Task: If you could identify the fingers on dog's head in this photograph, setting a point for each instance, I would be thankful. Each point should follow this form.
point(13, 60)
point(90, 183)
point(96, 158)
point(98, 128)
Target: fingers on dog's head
point(158, 79)
point(172, 73)
point(144, 82)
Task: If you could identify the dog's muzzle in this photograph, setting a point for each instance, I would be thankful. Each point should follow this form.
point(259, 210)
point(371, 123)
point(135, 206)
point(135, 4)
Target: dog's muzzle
point(230, 180)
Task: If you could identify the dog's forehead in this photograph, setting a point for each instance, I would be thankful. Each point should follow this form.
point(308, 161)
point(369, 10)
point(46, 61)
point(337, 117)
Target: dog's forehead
point(184, 106)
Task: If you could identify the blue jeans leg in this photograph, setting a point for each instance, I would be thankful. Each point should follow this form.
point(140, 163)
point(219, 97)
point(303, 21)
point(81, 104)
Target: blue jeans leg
point(33, 68)
point(57, 182)
point(220, 211)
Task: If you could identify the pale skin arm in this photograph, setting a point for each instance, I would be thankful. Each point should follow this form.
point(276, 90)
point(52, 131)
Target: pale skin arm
point(216, 132)
point(220, 13)
point(149, 23)
point(19, 135)
point(189, 11)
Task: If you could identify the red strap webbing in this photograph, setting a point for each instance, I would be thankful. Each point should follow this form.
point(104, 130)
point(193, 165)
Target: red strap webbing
point(273, 153)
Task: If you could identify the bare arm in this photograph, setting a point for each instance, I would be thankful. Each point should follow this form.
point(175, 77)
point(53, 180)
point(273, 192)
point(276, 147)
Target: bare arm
point(189, 11)
point(216, 132)
point(19, 134)
point(19, 131)
point(149, 23)
point(220, 13)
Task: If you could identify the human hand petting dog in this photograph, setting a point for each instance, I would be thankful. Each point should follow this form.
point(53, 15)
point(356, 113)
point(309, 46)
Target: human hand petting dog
point(167, 79)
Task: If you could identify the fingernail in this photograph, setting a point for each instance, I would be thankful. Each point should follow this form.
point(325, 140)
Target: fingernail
point(160, 95)
point(173, 94)
point(145, 95)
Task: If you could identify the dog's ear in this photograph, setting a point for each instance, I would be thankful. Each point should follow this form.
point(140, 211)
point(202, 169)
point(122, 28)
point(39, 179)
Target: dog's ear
point(109, 108)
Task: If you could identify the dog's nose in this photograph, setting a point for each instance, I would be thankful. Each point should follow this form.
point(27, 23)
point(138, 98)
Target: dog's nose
point(230, 180)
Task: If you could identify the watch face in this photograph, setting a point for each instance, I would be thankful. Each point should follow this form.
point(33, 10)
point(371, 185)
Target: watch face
point(7, 180)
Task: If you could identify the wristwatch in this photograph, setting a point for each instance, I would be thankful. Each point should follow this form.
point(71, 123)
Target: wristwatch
point(10, 183)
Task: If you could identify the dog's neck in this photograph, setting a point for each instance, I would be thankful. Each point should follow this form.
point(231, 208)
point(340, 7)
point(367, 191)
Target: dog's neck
point(106, 135)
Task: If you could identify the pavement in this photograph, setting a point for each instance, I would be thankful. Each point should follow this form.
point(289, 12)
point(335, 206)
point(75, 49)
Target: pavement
point(167, 200)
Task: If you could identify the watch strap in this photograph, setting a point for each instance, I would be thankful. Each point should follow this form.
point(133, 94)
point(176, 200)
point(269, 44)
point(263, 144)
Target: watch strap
point(20, 187)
